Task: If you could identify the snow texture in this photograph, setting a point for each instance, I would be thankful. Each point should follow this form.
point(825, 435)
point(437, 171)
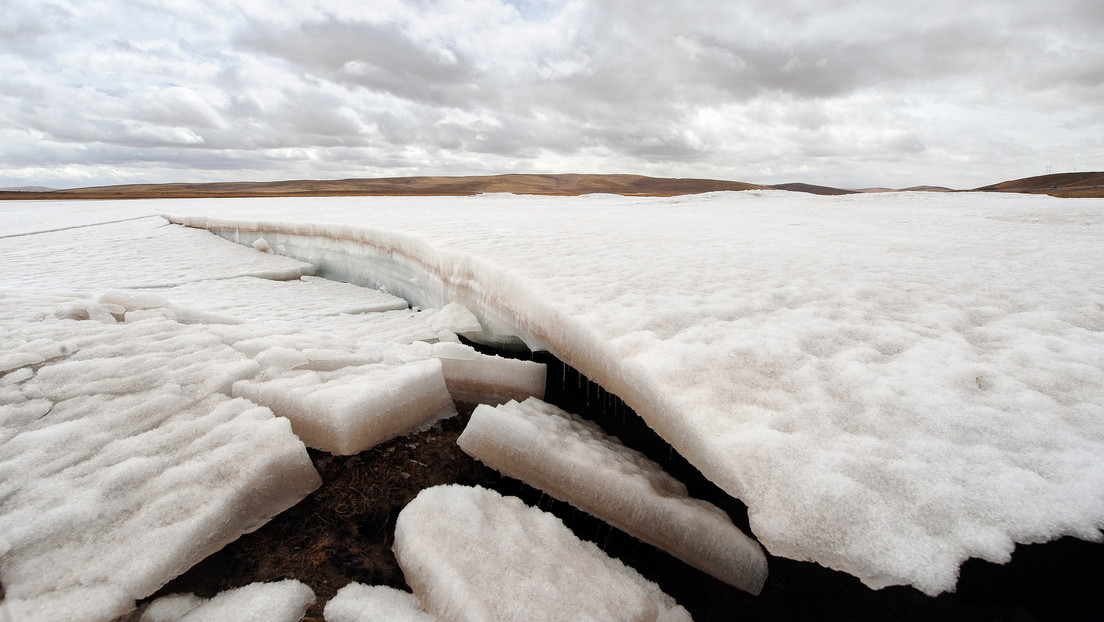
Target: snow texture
point(575, 461)
point(281, 601)
point(473, 554)
point(123, 463)
point(893, 383)
point(374, 603)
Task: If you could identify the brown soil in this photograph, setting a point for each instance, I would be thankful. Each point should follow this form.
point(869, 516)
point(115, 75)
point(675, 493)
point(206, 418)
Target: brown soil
point(563, 185)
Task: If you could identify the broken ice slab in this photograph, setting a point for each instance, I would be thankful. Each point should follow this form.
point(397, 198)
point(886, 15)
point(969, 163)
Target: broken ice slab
point(478, 378)
point(348, 410)
point(473, 554)
point(279, 601)
point(575, 461)
point(372, 603)
point(106, 498)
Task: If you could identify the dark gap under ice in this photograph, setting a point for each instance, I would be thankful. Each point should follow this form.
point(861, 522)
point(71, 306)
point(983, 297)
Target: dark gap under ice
point(343, 532)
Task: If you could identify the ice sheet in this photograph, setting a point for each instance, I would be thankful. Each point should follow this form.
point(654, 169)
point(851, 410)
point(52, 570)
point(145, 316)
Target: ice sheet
point(893, 383)
point(138, 253)
point(472, 554)
point(280, 601)
point(374, 603)
point(573, 460)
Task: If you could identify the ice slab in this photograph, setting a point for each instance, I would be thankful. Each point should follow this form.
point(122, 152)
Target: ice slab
point(280, 601)
point(891, 383)
point(573, 460)
point(374, 603)
point(479, 378)
point(472, 554)
point(250, 299)
point(123, 463)
point(351, 409)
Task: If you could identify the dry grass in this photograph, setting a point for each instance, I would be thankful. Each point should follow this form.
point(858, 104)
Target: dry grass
point(559, 185)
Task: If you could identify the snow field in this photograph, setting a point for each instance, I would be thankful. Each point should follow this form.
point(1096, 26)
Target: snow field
point(473, 554)
point(575, 461)
point(891, 383)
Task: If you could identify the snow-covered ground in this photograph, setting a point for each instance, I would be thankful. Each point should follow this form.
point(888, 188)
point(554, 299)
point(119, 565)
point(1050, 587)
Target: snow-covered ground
point(891, 383)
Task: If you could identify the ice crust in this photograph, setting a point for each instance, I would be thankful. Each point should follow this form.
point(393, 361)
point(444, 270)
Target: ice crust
point(892, 383)
point(280, 601)
point(354, 408)
point(374, 603)
point(472, 554)
point(573, 460)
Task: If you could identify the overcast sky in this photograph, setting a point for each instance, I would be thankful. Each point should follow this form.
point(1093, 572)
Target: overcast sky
point(841, 92)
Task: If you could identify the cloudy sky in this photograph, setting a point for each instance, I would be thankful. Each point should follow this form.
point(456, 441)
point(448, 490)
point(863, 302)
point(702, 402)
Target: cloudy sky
point(848, 93)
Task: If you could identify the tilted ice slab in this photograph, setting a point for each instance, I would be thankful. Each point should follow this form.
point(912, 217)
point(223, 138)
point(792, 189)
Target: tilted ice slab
point(374, 603)
point(351, 409)
point(472, 554)
point(892, 383)
point(122, 463)
point(575, 461)
point(280, 601)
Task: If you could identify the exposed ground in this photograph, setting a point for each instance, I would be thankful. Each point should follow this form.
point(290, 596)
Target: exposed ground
point(343, 532)
point(1070, 185)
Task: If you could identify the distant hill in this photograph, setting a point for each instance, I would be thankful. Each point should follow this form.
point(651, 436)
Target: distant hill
point(811, 189)
point(1058, 184)
point(566, 185)
point(27, 189)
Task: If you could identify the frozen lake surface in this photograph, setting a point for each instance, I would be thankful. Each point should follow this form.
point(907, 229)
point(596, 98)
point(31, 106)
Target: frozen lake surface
point(891, 383)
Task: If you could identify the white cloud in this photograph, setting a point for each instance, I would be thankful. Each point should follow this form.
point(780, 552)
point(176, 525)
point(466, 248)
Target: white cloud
point(838, 92)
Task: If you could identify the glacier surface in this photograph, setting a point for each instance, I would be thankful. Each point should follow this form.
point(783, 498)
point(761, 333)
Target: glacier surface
point(891, 383)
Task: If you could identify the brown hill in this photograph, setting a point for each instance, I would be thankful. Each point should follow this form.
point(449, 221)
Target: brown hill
point(811, 189)
point(564, 185)
point(1089, 184)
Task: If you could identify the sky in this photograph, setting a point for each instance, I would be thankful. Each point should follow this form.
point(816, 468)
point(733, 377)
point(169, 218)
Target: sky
point(847, 93)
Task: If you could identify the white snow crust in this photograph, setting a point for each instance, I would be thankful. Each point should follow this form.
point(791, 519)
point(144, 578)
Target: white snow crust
point(123, 463)
point(893, 383)
point(374, 603)
point(573, 460)
point(125, 456)
point(472, 554)
point(280, 601)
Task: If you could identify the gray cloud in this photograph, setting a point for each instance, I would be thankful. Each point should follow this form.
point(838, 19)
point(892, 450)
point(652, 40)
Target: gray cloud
point(832, 91)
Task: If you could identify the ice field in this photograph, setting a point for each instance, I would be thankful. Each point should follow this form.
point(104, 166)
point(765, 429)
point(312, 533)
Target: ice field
point(892, 383)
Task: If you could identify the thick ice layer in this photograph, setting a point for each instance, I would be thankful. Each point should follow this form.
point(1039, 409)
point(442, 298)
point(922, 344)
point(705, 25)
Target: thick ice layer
point(892, 383)
point(354, 408)
point(575, 461)
point(374, 603)
point(122, 464)
point(281, 601)
point(480, 378)
point(472, 554)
